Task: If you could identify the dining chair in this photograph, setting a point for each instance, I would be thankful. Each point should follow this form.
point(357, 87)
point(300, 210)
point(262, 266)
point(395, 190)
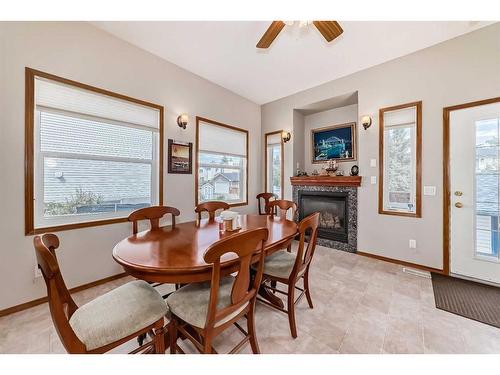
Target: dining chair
point(106, 322)
point(211, 208)
point(266, 197)
point(209, 308)
point(153, 214)
point(281, 207)
point(287, 268)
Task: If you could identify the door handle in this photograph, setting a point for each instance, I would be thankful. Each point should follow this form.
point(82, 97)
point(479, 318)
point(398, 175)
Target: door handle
point(459, 205)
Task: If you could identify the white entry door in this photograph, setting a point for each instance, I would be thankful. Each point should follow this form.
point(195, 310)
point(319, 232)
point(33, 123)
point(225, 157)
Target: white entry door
point(475, 192)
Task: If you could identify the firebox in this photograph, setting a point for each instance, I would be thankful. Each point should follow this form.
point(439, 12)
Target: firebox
point(333, 209)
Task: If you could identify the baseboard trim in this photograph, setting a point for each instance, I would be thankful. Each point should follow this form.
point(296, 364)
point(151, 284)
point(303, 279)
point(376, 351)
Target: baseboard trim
point(401, 262)
point(39, 301)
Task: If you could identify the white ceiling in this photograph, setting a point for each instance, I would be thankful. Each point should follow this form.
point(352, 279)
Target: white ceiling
point(224, 51)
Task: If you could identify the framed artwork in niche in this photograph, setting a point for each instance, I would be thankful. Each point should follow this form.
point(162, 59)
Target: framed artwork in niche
point(180, 157)
point(336, 142)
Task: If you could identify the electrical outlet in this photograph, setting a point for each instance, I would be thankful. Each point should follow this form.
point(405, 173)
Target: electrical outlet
point(373, 180)
point(413, 244)
point(373, 162)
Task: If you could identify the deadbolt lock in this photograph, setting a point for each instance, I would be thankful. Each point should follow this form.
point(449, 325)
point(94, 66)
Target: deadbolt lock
point(458, 205)
point(458, 193)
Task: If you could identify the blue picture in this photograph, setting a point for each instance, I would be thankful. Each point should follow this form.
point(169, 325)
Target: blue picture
point(335, 142)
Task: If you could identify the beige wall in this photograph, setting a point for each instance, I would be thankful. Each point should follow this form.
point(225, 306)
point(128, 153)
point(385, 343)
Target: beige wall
point(457, 71)
point(323, 119)
point(84, 53)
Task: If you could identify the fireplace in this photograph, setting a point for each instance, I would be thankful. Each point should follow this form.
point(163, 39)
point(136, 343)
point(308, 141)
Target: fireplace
point(333, 208)
point(336, 199)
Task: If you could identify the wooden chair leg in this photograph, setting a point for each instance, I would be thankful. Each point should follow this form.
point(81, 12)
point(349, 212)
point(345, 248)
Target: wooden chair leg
point(273, 285)
point(289, 248)
point(251, 330)
point(172, 332)
point(207, 344)
point(306, 289)
point(291, 310)
point(159, 341)
point(141, 338)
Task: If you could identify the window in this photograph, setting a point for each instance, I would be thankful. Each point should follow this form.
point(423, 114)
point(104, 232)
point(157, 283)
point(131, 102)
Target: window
point(221, 157)
point(400, 168)
point(487, 188)
point(274, 163)
point(93, 156)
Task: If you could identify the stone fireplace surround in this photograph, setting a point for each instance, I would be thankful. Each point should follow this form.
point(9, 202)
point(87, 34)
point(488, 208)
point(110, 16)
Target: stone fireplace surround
point(346, 184)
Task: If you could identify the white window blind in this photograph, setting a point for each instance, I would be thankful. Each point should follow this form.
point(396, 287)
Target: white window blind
point(72, 99)
point(96, 156)
point(274, 139)
point(400, 117)
point(215, 138)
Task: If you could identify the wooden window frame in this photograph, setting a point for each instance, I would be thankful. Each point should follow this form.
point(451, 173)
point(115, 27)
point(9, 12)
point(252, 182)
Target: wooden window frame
point(197, 151)
point(29, 152)
point(282, 160)
point(418, 161)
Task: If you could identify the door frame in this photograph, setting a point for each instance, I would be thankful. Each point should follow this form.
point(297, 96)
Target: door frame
point(446, 174)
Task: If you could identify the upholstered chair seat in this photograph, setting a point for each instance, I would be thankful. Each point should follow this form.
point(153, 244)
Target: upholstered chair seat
point(117, 314)
point(190, 303)
point(280, 264)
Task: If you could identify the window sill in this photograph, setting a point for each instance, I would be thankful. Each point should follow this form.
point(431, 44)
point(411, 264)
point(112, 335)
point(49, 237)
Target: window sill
point(63, 227)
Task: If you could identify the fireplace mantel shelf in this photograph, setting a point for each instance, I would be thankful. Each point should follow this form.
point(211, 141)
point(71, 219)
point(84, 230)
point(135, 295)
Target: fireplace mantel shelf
point(327, 180)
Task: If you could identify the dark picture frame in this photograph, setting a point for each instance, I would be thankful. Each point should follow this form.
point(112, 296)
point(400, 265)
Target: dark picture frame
point(180, 157)
point(336, 142)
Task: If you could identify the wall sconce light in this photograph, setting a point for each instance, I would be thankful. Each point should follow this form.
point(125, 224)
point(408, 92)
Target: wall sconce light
point(182, 120)
point(366, 121)
point(285, 136)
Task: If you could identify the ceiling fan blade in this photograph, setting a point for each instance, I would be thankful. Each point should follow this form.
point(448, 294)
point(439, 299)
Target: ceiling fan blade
point(329, 29)
point(270, 34)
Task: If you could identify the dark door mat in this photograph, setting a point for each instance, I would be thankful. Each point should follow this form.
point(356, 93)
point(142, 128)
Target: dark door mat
point(467, 298)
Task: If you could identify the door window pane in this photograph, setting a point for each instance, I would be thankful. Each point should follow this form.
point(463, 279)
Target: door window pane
point(487, 191)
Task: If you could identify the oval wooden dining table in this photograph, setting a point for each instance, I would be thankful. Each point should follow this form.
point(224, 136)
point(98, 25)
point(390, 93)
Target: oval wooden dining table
point(175, 255)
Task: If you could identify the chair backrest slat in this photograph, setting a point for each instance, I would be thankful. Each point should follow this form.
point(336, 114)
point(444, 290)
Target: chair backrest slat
point(282, 206)
point(307, 227)
point(211, 207)
point(267, 198)
point(153, 214)
point(245, 245)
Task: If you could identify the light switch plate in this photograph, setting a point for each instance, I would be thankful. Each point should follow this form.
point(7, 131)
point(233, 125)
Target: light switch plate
point(373, 162)
point(373, 180)
point(429, 190)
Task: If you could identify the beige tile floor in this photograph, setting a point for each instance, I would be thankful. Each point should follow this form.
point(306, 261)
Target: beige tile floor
point(361, 305)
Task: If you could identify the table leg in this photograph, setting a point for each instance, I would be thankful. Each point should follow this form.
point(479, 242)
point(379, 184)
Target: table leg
point(271, 298)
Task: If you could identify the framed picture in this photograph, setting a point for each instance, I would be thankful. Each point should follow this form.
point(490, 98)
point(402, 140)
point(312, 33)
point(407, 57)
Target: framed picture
point(180, 157)
point(334, 142)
